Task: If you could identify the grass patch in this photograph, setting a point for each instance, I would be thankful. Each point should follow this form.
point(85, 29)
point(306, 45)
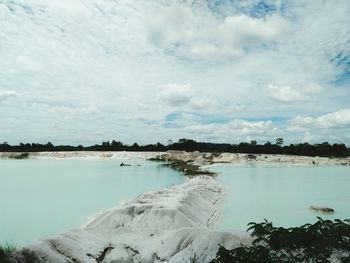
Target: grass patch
point(7, 249)
point(11, 254)
point(6, 252)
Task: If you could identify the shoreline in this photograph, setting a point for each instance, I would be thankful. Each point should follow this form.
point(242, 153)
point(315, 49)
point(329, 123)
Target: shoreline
point(200, 158)
point(81, 155)
point(242, 159)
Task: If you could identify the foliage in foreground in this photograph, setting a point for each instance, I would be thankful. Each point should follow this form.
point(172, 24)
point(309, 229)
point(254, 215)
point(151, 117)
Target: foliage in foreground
point(311, 243)
point(6, 250)
point(10, 254)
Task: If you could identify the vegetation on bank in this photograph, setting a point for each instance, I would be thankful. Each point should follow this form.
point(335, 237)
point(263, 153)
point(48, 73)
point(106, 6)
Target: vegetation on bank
point(6, 250)
point(322, 242)
point(21, 155)
point(11, 254)
point(187, 168)
point(323, 149)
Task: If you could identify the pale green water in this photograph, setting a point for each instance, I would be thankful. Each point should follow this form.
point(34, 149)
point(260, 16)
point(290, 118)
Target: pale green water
point(44, 197)
point(282, 194)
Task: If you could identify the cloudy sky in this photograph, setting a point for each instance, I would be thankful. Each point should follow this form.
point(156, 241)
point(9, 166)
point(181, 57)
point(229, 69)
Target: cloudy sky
point(83, 71)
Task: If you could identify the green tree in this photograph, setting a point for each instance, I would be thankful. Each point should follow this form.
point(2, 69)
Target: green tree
point(253, 143)
point(279, 142)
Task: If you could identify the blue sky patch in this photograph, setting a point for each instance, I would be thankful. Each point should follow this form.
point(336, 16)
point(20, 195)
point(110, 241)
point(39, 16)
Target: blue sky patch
point(262, 9)
point(258, 9)
point(214, 119)
point(172, 116)
point(342, 60)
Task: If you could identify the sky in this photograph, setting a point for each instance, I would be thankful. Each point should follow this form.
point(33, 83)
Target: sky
point(87, 71)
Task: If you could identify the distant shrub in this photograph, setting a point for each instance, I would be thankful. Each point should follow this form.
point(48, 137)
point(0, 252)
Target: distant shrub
point(188, 168)
point(19, 156)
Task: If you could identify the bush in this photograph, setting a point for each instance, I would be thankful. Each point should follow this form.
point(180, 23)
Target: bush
point(312, 243)
point(11, 254)
point(5, 251)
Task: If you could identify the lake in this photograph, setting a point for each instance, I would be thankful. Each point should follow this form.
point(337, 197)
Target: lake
point(282, 194)
point(43, 197)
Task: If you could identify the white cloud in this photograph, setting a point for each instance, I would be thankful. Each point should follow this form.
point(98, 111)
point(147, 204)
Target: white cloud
point(308, 137)
point(5, 94)
point(284, 93)
point(287, 94)
point(338, 119)
point(176, 94)
point(5, 12)
point(202, 129)
point(180, 27)
point(200, 103)
point(255, 128)
point(97, 65)
point(237, 127)
point(242, 30)
point(295, 128)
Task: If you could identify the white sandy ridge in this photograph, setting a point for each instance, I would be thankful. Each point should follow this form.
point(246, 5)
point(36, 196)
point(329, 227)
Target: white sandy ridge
point(170, 225)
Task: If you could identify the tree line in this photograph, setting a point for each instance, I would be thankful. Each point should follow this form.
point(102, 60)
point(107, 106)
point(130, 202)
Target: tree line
point(321, 149)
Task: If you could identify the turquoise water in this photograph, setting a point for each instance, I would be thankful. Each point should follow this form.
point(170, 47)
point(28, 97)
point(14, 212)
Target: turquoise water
point(282, 194)
point(44, 197)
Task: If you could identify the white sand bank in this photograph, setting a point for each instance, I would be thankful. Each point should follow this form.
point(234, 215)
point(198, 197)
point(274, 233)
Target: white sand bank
point(201, 158)
point(173, 225)
point(254, 159)
point(83, 155)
